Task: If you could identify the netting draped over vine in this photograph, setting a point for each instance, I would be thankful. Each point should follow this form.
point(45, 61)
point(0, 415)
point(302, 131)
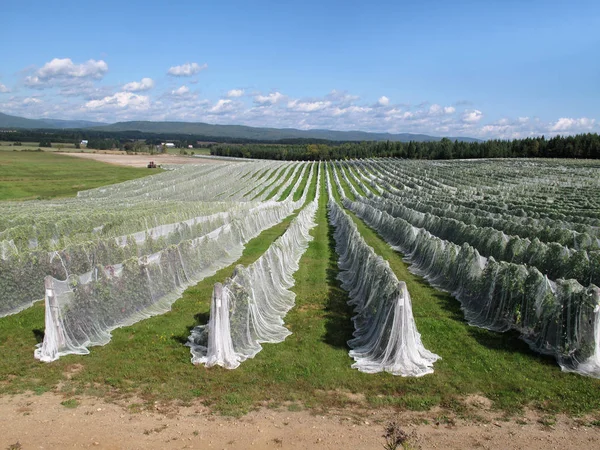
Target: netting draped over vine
point(248, 308)
point(142, 274)
point(385, 336)
point(558, 318)
point(109, 225)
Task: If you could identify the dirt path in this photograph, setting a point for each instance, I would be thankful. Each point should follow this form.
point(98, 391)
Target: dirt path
point(124, 159)
point(42, 422)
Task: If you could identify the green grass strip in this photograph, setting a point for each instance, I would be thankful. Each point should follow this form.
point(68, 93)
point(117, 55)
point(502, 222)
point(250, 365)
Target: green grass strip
point(275, 176)
point(358, 188)
point(476, 361)
point(286, 177)
point(300, 190)
point(288, 190)
point(368, 185)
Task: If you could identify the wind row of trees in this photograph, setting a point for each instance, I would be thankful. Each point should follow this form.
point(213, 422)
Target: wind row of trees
point(580, 146)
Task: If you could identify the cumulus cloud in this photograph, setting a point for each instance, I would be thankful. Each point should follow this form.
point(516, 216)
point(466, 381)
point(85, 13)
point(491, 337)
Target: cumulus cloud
point(137, 86)
point(186, 70)
point(438, 110)
point(296, 105)
point(3, 89)
point(351, 110)
point(120, 100)
point(274, 97)
point(61, 70)
point(180, 91)
point(222, 106)
point(342, 97)
point(80, 96)
point(383, 101)
point(234, 93)
point(31, 101)
point(568, 124)
point(472, 116)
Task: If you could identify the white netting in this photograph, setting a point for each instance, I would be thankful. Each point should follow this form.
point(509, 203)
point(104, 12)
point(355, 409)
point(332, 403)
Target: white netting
point(137, 276)
point(558, 318)
point(385, 336)
point(248, 308)
point(108, 225)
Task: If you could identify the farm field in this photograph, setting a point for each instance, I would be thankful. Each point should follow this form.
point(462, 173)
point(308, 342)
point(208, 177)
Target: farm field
point(28, 175)
point(553, 201)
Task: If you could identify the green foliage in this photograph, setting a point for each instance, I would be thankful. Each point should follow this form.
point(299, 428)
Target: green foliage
point(580, 146)
point(70, 403)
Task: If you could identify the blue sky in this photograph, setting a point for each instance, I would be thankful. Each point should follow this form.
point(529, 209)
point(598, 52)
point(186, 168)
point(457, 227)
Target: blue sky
point(477, 68)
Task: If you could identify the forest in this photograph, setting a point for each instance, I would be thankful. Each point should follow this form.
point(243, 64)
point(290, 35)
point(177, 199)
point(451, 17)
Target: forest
point(580, 146)
point(586, 146)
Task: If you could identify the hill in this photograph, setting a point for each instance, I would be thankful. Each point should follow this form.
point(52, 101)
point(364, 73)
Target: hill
point(217, 131)
point(7, 121)
point(266, 134)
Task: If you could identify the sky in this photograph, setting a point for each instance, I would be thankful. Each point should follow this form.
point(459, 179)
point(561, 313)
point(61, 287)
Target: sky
point(485, 69)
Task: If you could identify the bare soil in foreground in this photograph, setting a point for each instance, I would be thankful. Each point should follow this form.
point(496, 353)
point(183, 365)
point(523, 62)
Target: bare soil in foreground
point(48, 421)
point(123, 159)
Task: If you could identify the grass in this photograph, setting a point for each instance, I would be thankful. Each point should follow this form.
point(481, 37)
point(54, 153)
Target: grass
point(498, 365)
point(70, 403)
point(280, 181)
point(41, 175)
point(311, 368)
point(273, 178)
point(301, 172)
point(356, 186)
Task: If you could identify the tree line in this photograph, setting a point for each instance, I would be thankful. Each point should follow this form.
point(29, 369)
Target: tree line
point(579, 146)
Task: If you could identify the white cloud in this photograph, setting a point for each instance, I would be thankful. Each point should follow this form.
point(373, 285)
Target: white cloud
point(342, 97)
point(234, 93)
point(351, 110)
point(437, 110)
point(31, 101)
point(120, 100)
point(3, 89)
point(383, 101)
point(180, 91)
point(136, 86)
point(272, 98)
point(222, 106)
point(64, 69)
point(472, 116)
point(568, 124)
point(296, 105)
point(186, 70)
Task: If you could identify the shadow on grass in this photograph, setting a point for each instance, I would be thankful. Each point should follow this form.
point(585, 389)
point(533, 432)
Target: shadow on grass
point(39, 335)
point(199, 319)
point(509, 341)
point(338, 323)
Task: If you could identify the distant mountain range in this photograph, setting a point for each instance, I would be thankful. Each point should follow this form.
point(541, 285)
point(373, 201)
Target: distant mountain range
point(218, 131)
point(7, 121)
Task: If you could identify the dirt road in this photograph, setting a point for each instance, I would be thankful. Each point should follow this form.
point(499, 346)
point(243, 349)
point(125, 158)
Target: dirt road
point(143, 160)
point(48, 421)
